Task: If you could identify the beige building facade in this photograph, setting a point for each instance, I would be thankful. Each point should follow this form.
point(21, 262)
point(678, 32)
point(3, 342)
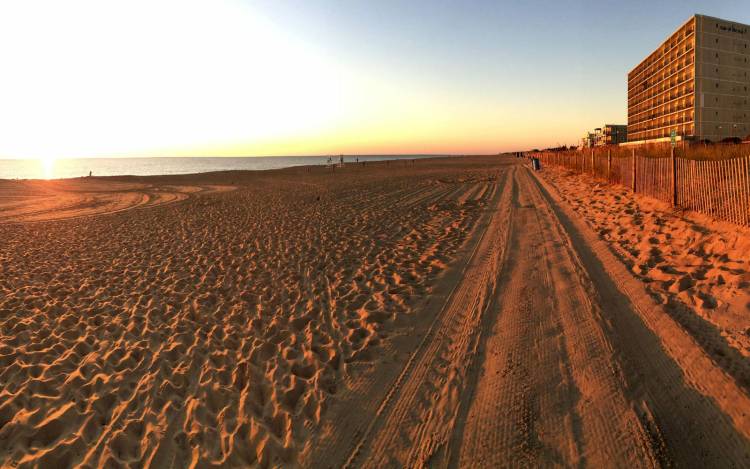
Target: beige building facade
point(696, 84)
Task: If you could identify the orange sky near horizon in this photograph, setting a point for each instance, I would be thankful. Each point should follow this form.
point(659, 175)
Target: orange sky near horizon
point(90, 78)
point(103, 78)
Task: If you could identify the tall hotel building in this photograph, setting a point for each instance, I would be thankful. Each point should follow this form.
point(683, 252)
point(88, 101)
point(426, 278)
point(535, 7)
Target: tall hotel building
point(695, 84)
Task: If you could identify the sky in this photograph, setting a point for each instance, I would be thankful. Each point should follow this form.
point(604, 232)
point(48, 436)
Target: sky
point(99, 78)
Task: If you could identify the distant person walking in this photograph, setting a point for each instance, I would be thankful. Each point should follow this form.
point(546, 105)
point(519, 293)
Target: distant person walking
point(90, 173)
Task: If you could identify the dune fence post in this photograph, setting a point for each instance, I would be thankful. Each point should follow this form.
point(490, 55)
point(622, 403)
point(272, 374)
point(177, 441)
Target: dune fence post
point(609, 165)
point(633, 170)
point(673, 162)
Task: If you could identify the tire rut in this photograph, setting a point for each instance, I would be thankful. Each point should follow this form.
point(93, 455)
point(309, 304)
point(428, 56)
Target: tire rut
point(416, 413)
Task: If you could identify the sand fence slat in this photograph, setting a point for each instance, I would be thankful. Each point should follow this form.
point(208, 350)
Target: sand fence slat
point(731, 191)
point(728, 199)
point(741, 214)
point(705, 187)
point(719, 199)
point(741, 192)
point(693, 181)
point(680, 181)
point(745, 181)
point(738, 191)
point(726, 190)
point(713, 173)
point(724, 199)
point(696, 185)
point(733, 176)
point(686, 182)
point(712, 187)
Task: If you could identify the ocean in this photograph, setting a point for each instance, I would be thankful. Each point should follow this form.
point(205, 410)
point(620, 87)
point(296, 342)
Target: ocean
point(77, 167)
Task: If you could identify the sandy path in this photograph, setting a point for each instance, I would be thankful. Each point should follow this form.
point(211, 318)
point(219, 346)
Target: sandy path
point(433, 375)
point(547, 352)
point(593, 372)
point(371, 392)
point(549, 392)
point(693, 410)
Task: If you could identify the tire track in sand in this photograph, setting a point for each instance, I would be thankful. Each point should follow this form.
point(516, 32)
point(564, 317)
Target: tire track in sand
point(550, 391)
point(72, 204)
point(366, 386)
point(689, 405)
point(413, 422)
point(575, 369)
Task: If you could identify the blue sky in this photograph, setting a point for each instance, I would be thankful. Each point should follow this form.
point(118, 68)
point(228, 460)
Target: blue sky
point(246, 77)
point(529, 58)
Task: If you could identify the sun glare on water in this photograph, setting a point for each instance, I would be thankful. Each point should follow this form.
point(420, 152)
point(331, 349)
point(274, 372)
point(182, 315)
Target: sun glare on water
point(48, 167)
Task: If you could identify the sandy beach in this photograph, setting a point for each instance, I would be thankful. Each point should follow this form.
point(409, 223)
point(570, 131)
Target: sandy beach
point(451, 312)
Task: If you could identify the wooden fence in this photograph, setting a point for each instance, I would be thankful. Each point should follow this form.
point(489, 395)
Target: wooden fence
point(719, 187)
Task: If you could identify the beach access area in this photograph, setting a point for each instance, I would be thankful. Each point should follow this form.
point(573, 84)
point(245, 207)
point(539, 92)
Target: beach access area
point(451, 312)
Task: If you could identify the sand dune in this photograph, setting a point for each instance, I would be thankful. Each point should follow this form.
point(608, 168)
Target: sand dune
point(447, 313)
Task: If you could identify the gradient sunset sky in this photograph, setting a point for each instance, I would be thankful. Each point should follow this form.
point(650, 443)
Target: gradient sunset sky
point(221, 78)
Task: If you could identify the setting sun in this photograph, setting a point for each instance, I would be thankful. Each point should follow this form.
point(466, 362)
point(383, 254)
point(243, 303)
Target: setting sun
point(154, 78)
point(48, 167)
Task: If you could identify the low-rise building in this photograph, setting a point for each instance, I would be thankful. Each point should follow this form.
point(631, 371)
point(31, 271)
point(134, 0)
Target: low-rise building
point(608, 134)
point(614, 134)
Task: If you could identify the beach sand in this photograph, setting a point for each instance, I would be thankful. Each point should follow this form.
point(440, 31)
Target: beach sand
point(457, 312)
point(699, 267)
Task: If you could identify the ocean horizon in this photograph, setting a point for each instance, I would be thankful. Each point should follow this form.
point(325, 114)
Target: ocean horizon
point(153, 166)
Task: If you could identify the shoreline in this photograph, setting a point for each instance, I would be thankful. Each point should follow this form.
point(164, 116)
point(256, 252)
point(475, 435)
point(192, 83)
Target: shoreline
point(372, 159)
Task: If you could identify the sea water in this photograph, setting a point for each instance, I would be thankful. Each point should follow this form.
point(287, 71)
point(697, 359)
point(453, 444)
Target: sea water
point(77, 167)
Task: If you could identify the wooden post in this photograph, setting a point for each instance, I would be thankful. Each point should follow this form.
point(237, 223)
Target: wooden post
point(593, 173)
point(609, 165)
point(674, 177)
point(632, 153)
